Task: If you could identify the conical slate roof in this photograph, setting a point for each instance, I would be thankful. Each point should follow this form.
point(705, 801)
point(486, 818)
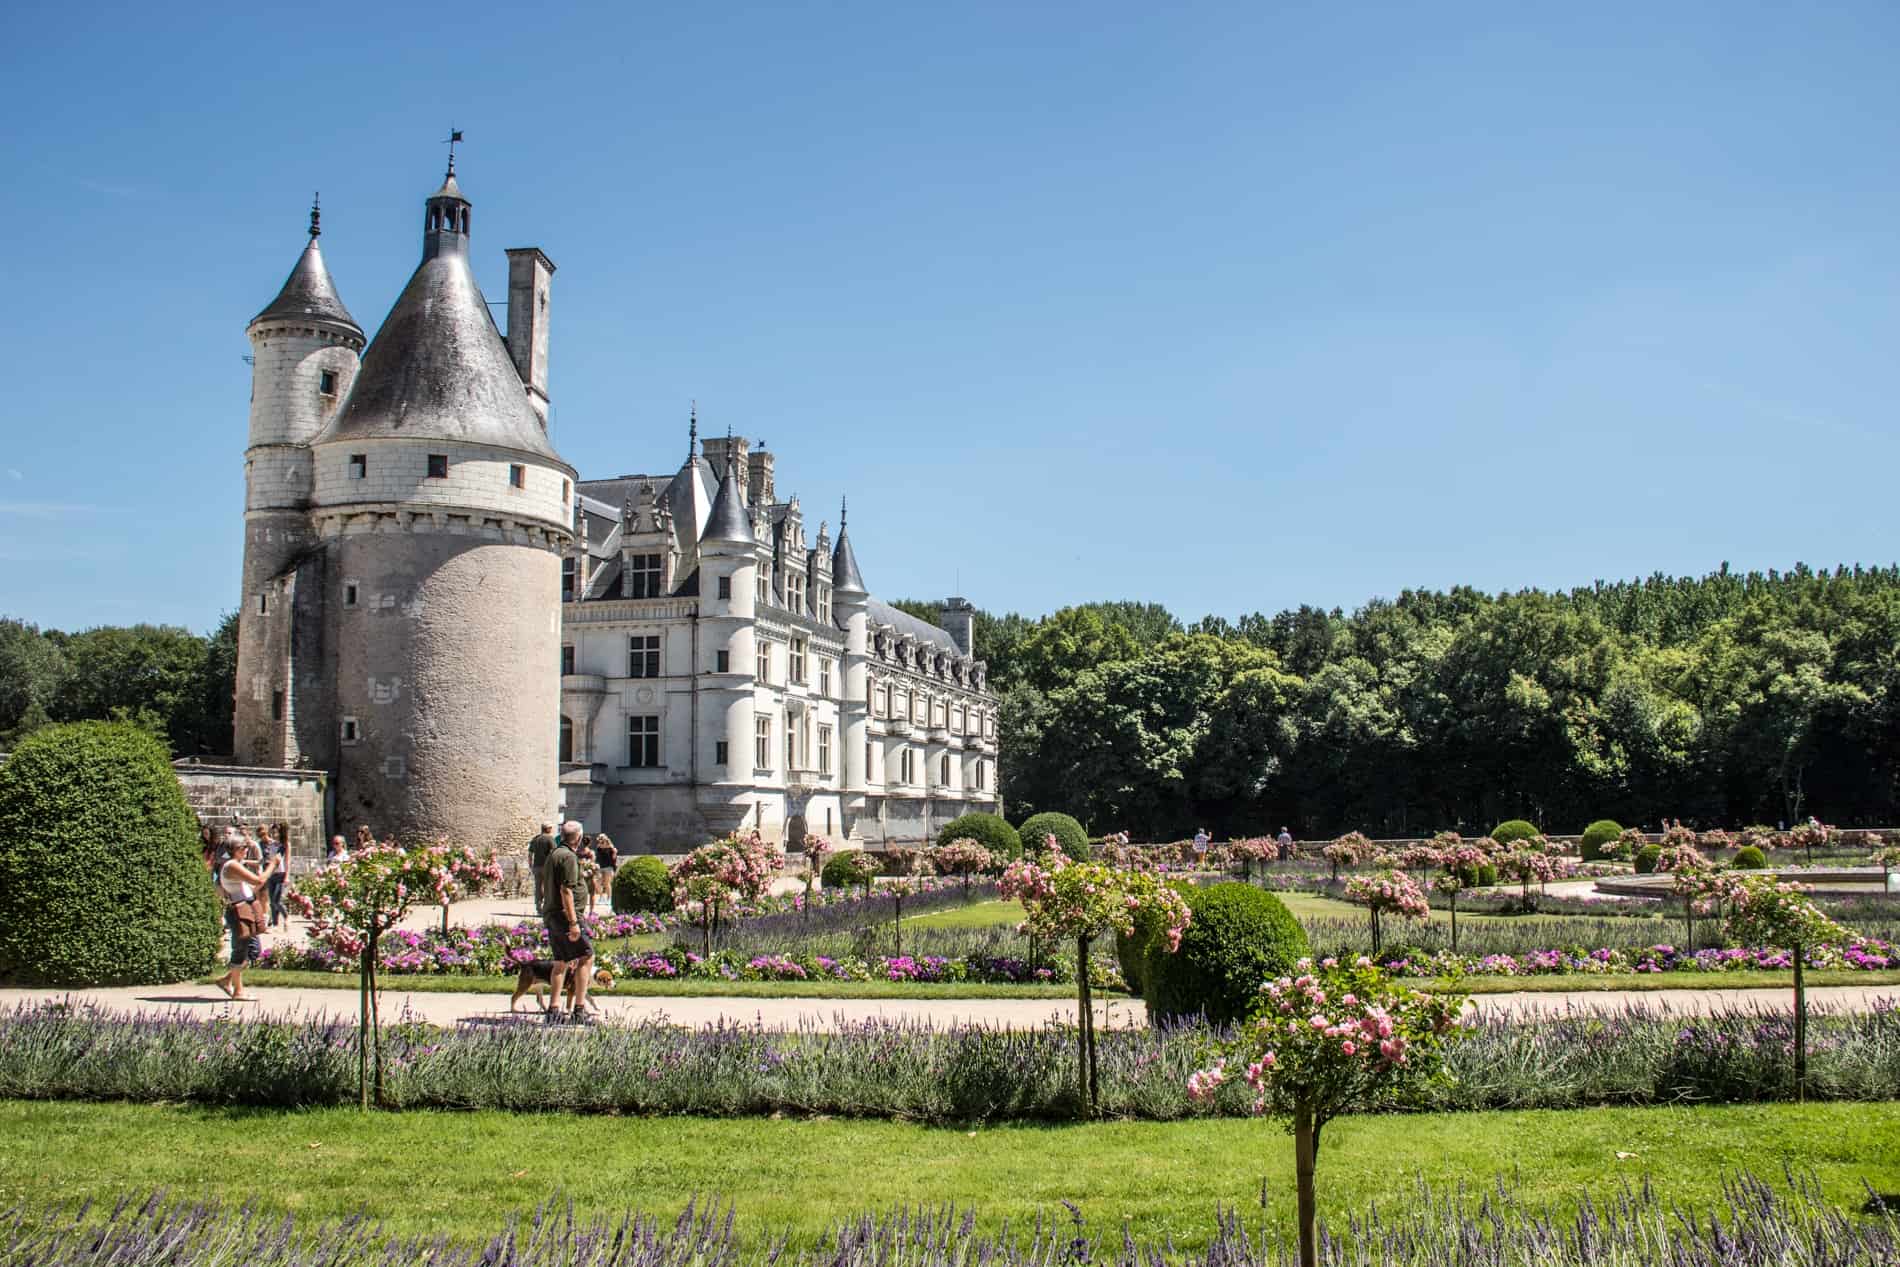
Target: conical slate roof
point(728, 520)
point(845, 577)
point(309, 294)
point(438, 369)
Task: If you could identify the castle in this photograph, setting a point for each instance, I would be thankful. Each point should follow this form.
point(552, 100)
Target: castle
point(418, 560)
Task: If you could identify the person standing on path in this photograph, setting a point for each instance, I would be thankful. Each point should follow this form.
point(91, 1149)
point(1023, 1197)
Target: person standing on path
point(276, 867)
point(239, 883)
point(538, 850)
point(1286, 843)
point(607, 858)
point(564, 897)
point(1200, 849)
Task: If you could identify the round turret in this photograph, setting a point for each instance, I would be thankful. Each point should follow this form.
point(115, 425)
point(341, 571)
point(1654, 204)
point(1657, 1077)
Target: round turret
point(304, 348)
point(443, 510)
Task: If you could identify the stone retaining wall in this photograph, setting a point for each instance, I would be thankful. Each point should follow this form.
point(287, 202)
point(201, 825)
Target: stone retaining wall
point(221, 795)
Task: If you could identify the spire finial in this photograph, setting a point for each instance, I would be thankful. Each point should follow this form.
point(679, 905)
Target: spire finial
point(455, 135)
point(316, 216)
point(841, 505)
point(692, 434)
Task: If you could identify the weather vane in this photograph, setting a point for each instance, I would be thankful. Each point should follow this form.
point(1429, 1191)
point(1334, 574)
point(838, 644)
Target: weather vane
point(455, 135)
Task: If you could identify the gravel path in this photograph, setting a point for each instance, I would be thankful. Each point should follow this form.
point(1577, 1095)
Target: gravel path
point(491, 1009)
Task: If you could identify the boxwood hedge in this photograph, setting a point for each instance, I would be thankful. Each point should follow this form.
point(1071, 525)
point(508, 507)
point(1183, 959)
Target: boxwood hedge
point(102, 878)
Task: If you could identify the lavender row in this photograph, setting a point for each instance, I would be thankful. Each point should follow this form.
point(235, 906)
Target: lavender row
point(1757, 1222)
point(902, 1070)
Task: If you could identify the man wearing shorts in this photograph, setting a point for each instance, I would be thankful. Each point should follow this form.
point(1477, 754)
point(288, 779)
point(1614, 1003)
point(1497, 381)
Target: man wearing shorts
point(564, 897)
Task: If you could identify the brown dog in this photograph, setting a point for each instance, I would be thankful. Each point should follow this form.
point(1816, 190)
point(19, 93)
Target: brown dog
point(537, 974)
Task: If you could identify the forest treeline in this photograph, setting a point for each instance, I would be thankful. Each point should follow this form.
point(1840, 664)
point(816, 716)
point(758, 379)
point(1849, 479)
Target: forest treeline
point(175, 683)
point(1725, 699)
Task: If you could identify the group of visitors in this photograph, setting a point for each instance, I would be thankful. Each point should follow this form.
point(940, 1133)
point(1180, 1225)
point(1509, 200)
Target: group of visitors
point(250, 872)
point(1202, 839)
point(568, 873)
point(338, 850)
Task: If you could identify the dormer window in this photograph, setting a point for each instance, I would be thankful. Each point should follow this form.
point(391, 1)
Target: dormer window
point(643, 576)
point(438, 466)
point(326, 382)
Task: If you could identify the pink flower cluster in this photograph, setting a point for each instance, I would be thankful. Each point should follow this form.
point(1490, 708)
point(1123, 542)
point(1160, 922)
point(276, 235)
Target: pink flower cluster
point(1330, 1034)
point(1392, 891)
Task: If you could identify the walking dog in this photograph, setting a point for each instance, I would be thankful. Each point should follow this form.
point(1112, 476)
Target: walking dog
point(537, 974)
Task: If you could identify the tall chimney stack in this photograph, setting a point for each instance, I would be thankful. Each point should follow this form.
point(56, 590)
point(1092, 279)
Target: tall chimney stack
point(529, 274)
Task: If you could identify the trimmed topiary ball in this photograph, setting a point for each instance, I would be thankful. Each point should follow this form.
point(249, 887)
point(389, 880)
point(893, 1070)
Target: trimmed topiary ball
point(1068, 833)
point(102, 878)
point(1512, 830)
point(988, 830)
point(1646, 859)
point(1238, 938)
point(1749, 858)
point(1597, 835)
point(849, 868)
point(642, 885)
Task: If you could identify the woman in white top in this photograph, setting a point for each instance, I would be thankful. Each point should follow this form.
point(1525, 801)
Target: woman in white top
point(238, 883)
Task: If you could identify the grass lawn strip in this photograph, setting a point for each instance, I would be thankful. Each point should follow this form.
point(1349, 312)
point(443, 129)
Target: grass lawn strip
point(460, 1173)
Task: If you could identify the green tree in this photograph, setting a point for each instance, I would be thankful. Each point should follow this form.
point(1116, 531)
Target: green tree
point(152, 674)
point(32, 670)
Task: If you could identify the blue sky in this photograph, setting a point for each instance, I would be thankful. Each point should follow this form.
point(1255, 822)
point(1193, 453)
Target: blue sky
point(1228, 306)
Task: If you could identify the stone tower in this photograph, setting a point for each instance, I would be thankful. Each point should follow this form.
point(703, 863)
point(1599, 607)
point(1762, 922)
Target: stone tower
point(304, 348)
point(442, 511)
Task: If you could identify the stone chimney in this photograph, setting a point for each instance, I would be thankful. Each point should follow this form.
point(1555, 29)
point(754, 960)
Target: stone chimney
point(759, 478)
point(958, 617)
point(529, 275)
point(715, 450)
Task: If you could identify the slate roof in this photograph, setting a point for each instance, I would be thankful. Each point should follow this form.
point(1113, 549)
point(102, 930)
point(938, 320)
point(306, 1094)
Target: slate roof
point(309, 294)
point(882, 613)
point(438, 369)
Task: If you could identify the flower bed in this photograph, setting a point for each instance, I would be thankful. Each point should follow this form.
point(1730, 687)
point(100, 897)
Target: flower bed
point(904, 1070)
point(481, 951)
point(1867, 955)
point(677, 962)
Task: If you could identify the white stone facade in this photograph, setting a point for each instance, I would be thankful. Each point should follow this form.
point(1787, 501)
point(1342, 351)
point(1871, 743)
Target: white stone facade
point(747, 691)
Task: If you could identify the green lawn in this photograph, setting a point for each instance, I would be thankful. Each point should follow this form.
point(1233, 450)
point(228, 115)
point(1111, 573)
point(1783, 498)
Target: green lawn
point(461, 1173)
point(421, 983)
point(1316, 906)
point(975, 915)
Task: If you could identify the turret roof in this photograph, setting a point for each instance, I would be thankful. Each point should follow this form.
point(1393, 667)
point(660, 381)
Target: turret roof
point(845, 577)
point(438, 369)
point(309, 294)
point(728, 520)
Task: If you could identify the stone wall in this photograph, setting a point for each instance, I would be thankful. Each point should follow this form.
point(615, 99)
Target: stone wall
point(221, 795)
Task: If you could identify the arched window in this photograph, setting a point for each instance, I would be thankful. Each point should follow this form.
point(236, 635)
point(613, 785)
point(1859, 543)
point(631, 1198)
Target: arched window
point(567, 739)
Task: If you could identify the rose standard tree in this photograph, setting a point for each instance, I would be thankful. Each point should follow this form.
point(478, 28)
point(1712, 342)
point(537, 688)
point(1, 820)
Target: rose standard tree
point(710, 882)
point(961, 857)
point(351, 904)
point(1325, 1043)
point(1078, 902)
point(1388, 893)
point(1766, 912)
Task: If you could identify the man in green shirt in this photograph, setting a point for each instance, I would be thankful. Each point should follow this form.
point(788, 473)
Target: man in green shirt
point(563, 898)
point(538, 850)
